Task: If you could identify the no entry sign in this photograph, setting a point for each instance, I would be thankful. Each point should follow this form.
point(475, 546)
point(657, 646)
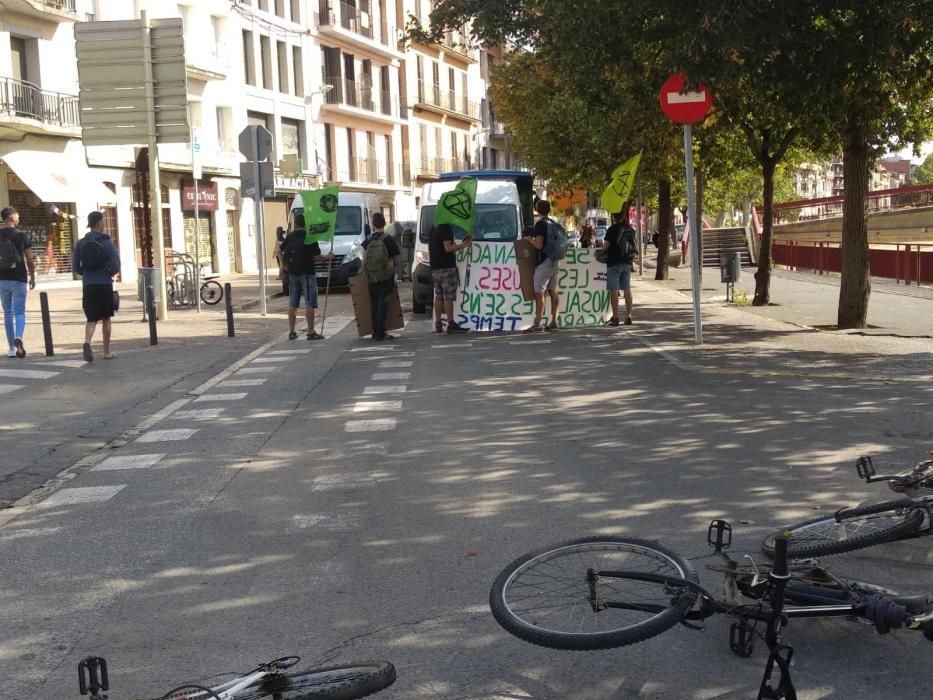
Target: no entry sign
point(684, 107)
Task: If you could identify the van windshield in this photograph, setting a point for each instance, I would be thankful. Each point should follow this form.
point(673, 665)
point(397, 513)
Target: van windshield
point(349, 220)
point(493, 222)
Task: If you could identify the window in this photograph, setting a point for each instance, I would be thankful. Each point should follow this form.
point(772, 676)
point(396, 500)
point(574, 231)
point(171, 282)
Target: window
point(264, 5)
point(298, 75)
point(225, 129)
point(491, 222)
point(292, 141)
point(282, 52)
point(451, 80)
point(328, 152)
point(390, 166)
point(266, 120)
point(280, 8)
point(265, 50)
point(196, 114)
point(249, 58)
point(296, 11)
point(350, 154)
point(19, 59)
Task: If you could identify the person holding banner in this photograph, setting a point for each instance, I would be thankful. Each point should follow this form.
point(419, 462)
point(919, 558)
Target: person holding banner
point(546, 271)
point(621, 249)
point(379, 263)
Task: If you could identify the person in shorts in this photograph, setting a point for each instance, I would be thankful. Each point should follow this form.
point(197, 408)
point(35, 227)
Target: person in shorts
point(302, 278)
point(441, 249)
point(546, 270)
point(96, 282)
point(621, 248)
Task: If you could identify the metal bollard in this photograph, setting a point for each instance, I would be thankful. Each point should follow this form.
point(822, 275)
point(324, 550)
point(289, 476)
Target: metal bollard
point(151, 312)
point(46, 324)
point(228, 295)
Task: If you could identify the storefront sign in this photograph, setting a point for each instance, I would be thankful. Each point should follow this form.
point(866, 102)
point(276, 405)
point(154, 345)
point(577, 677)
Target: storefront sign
point(490, 296)
point(207, 196)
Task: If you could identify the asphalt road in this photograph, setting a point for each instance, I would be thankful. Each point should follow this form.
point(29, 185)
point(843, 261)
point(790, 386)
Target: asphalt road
point(351, 500)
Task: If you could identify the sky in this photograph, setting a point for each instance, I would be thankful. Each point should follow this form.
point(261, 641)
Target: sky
point(925, 150)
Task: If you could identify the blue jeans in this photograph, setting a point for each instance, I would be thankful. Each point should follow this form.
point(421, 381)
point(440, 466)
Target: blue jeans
point(13, 296)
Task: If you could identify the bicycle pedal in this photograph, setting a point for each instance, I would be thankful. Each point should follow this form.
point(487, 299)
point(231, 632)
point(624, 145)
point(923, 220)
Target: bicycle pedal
point(719, 535)
point(865, 468)
point(742, 639)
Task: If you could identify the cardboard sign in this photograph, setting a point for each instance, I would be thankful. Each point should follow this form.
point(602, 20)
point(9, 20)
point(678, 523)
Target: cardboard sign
point(359, 293)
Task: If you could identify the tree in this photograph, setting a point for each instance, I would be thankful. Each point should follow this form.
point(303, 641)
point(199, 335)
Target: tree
point(924, 174)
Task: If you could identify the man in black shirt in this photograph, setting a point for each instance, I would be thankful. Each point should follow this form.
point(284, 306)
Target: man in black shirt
point(441, 249)
point(621, 249)
point(15, 259)
point(546, 271)
point(379, 263)
point(299, 260)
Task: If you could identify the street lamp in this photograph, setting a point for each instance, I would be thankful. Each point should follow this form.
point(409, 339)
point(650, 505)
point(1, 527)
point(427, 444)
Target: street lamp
point(323, 90)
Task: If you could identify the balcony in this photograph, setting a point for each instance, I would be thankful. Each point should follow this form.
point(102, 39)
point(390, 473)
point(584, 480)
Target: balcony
point(55, 10)
point(32, 110)
point(359, 28)
point(446, 101)
point(371, 172)
point(433, 167)
point(206, 61)
point(362, 99)
point(460, 43)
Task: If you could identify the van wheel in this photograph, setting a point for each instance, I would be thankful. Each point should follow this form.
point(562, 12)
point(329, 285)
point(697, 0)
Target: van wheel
point(417, 308)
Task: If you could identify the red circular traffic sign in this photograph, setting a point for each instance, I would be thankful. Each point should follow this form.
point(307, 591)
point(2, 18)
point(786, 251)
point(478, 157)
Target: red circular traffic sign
point(684, 107)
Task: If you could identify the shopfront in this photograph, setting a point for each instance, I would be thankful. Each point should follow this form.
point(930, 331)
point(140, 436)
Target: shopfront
point(200, 228)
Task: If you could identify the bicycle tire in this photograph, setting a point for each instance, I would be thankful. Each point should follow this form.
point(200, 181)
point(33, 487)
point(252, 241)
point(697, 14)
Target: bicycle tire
point(345, 682)
point(211, 292)
point(854, 529)
point(530, 616)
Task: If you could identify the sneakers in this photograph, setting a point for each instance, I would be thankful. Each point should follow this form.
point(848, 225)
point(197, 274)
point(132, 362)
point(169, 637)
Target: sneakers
point(438, 326)
point(292, 335)
point(18, 346)
point(612, 322)
point(628, 321)
point(453, 328)
point(87, 353)
point(11, 352)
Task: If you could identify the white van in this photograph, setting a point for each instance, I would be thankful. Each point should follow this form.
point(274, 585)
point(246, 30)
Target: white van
point(503, 211)
point(354, 224)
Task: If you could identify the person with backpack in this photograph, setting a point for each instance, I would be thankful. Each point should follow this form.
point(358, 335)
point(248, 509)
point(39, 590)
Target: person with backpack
point(379, 262)
point(96, 260)
point(621, 251)
point(16, 259)
point(298, 259)
point(550, 240)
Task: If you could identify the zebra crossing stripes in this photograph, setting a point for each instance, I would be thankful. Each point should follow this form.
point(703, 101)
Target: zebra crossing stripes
point(81, 494)
point(118, 462)
point(10, 388)
point(27, 373)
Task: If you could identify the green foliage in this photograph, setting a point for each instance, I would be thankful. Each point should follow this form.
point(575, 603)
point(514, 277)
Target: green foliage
point(924, 174)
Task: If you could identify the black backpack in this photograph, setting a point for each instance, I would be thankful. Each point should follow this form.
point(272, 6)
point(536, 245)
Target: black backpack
point(10, 258)
point(627, 245)
point(293, 254)
point(93, 255)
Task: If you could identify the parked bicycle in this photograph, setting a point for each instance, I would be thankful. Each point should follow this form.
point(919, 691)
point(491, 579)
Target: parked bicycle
point(849, 529)
point(605, 592)
point(268, 680)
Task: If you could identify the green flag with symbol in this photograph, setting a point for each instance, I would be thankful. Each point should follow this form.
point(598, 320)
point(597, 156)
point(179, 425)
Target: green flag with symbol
point(320, 212)
point(619, 189)
point(458, 206)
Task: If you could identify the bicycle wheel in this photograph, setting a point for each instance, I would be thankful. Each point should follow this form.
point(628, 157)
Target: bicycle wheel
point(555, 597)
point(211, 292)
point(333, 683)
point(853, 529)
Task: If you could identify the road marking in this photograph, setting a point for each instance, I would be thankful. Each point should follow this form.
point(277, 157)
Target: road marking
point(27, 373)
point(171, 435)
point(529, 342)
point(290, 352)
point(199, 414)
point(389, 364)
point(127, 462)
point(60, 363)
point(363, 406)
point(280, 358)
point(256, 370)
point(339, 522)
point(451, 345)
point(375, 348)
point(331, 482)
point(382, 376)
point(385, 389)
point(10, 388)
point(82, 494)
point(365, 426)
point(221, 397)
point(242, 382)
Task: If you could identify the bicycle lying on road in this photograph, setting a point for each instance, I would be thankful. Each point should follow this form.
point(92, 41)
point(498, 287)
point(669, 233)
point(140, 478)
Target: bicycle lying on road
point(268, 680)
point(863, 526)
point(606, 592)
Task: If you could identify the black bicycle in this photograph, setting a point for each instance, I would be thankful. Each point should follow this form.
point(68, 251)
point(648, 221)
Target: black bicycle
point(606, 592)
point(269, 680)
point(849, 529)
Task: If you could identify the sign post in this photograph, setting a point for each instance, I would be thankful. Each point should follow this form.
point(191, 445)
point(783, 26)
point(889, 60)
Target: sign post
point(687, 107)
point(256, 145)
point(196, 174)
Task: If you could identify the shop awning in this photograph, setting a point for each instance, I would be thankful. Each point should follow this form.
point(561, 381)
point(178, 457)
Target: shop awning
point(58, 176)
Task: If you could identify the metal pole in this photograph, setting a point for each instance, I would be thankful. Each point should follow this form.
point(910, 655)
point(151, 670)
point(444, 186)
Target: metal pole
point(197, 249)
point(260, 243)
point(46, 324)
point(641, 237)
point(150, 304)
point(694, 250)
point(228, 293)
point(155, 196)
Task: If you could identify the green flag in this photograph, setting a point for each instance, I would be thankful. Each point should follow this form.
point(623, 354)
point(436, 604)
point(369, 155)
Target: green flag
point(320, 212)
point(458, 206)
point(620, 187)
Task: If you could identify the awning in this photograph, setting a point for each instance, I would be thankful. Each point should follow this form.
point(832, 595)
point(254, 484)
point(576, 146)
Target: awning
point(58, 176)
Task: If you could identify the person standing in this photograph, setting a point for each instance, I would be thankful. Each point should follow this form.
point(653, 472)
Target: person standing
point(95, 258)
point(16, 259)
point(441, 249)
point(621, 249)
point(379, 262)
point(546, 270)
point(586, 236)
point(298, 259)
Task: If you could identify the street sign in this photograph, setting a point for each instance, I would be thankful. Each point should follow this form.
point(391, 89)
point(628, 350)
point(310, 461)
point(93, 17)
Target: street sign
point(684, 107)
point(196, 154)
point(248, 180)
point(255, 142)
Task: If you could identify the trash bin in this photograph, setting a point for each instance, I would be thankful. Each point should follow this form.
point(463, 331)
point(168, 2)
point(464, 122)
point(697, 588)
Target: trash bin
point(149, 276)
point(730, 267)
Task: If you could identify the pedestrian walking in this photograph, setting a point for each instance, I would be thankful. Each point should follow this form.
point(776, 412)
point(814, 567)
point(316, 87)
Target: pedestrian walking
point(546, 267)
point(17, 266)
point(96, 260)
point(298, 259)
point(621, 250)
point(441, 249)
point(586, 236)
point(379, 262)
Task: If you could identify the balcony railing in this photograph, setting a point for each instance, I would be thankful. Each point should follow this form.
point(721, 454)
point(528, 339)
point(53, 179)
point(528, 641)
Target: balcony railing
point(342, 14)
point(370, 171)
point(447, 100)
point(19, 98)
point(432, 167)
point(362, 96)
point(459, 42)
point(64, 5)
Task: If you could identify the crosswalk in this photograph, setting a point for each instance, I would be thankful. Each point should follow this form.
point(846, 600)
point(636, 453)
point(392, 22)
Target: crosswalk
point(15, 378)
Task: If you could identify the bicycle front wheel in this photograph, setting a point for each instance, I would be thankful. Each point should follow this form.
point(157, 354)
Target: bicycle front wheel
point(576, 595)
point(333, 683)
point(853, 529)
point(211, 292)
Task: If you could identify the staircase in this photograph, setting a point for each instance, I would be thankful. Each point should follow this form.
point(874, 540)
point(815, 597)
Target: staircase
point(726, 240)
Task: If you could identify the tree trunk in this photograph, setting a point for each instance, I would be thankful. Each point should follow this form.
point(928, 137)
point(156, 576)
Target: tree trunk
point(763, 275)
point(664, 227)
point(855, 285)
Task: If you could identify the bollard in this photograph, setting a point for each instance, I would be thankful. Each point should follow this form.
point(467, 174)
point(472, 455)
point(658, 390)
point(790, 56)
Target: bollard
point(46, 324)
point(228, 294)
point(151, 312)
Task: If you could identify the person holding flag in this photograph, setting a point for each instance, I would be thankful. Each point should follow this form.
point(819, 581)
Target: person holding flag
point(302, 248)
point(454, 209)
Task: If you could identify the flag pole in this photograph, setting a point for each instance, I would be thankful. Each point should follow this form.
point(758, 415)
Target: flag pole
point(330, 263)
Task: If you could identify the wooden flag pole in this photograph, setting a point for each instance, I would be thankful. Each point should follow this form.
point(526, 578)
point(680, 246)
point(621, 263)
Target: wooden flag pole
point(330, 263)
